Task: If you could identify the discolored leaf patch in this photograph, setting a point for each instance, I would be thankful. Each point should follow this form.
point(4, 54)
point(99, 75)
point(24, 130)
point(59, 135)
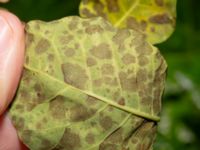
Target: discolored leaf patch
point(155, 18)
point(91, 86)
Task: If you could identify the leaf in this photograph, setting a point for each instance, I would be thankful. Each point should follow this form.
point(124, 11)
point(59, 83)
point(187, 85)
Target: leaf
point(88, 86)
point(155, 18)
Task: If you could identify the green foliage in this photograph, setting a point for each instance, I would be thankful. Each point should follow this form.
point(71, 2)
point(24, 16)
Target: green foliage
point(88, 86)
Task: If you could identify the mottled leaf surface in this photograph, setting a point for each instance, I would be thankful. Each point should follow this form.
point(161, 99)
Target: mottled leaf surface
point(88, 86)
point(155, 18)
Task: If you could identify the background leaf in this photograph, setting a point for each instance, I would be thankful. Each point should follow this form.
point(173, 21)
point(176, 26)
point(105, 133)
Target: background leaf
point(87, 85)
point(155, 18)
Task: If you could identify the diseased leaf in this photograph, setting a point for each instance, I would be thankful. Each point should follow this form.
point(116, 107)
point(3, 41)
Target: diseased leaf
point(88, 86)
point(155, 18)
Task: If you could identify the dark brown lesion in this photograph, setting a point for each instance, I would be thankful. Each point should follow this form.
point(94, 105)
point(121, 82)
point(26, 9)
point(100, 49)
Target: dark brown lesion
point(121, 36)
point(65, 39)
point(111, 81)
point(159, 2)
point(113, 5)
point(80, 113)
point(91, 62)
point(92, 29)
point(57, 107)
point(106, 122)
point(128, 59)
point(86, 12)
point(70, 140)
point(42, 46)
point(143, 60)
point(69, 52)
point(97, 82)
point(99, 8)
point(90, 138)
point(29, 39)
point(107, 69)
point(128, 83)
point(74, 75)
point(102, 51)
point(161, 19)
point(132, 23)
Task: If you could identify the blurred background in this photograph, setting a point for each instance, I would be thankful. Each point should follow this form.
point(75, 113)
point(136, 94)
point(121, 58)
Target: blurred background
point(179, 128)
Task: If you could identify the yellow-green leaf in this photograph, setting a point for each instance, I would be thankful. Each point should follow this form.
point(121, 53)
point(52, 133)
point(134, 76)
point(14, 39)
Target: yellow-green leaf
point(88, 86)
point(155, 18)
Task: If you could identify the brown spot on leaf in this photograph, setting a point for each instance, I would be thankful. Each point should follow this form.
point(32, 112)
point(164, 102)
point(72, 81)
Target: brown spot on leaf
point(106, 122)
point(65, 39)
point(110, 81)
point(42, 46)
point(159, 2)
point(143, 60)
point(121, 36)
point(128, 83)
point(143, 25)
point(29, 39)
point(107, 69)
point(142, 75)
point(80, 113)
point(121, 101)
point(115, 137)
point(57, 107)
point(152, 29)
point(97, 82)
point(99, 7)
point(91, 62)
point(144, 49)
point(19, 123)
point(102, 51)
point(92, 100)
point(107, 146)
point(18, 106)
point(92, 29)
point(74, 75)
point(27, 60)
point(69, 52)
point(160, 19)
point(73, 25)
point(45, 144)
point(26, 136)
point(128, 59)
point(39, 125)
point(51, 57)
point(85, 23)
point(70, 140)
point(85, 1)
point(86, 12)
point(132, 23)
point(90, 138)
point(112, 5)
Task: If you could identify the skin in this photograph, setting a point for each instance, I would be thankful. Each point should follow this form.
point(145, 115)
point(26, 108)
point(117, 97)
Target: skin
point(12, 45)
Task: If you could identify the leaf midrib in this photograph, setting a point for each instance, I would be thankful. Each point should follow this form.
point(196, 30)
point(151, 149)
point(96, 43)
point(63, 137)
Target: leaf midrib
point(118, 23)
point(110, 102)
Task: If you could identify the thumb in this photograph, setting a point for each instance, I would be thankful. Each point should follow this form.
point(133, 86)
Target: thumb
point(11, 56)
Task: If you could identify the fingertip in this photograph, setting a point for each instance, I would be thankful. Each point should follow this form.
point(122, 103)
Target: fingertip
point(12, 45)
point(8, 135)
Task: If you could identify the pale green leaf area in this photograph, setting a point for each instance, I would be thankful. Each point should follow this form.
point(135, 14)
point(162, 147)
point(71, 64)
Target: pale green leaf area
point(88, 86)
point(155, 18)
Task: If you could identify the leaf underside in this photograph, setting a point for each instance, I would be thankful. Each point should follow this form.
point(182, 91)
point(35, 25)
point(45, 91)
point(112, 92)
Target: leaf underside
point(88, 86)
point(155, 18)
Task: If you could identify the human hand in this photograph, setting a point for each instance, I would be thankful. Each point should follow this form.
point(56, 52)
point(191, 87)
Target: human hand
point(12, 45)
